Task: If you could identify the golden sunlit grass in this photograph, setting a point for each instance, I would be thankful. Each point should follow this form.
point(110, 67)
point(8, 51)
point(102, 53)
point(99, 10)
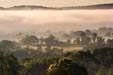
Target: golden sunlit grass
point(73, 48)
point(69, 48)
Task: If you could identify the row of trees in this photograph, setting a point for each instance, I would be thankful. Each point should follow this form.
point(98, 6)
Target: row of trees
point(84, 37)
point(79, 38)
point(91, 41)
point(88, 40)
point(33, 40)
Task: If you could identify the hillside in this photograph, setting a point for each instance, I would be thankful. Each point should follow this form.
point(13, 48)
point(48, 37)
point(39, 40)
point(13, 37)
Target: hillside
point(2, 8)
point(34, 7)
point(28, 7)
point(99, 6)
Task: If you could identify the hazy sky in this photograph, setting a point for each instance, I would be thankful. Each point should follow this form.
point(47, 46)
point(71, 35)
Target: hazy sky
point(54, 3)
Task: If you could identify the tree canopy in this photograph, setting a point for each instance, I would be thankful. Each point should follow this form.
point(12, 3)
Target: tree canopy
point(66, 67)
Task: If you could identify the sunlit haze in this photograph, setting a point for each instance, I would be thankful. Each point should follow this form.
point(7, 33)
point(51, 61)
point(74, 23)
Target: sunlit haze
point(43, 20)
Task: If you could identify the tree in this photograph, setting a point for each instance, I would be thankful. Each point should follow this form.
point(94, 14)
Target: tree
point(104, 56)
point(87, 40)
point(19, 35)
point(41, 40)
point(76, 34)
point(66, 67)
point(88, 32)
point(69, 41)
point(50, 40)
point(12, 64)
point(94, 36)
point(30, 40)
point(111, 71)
point(108, 34)
point(8, 64)
point(109, 42)
point(66, 36)
point(77, 41)
point(83, 37)
point(85, 58)
point(39, 66)
point(6, 45)
point(100, 40)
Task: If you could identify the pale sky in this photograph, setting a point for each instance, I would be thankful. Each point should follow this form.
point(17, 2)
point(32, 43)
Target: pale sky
point(53, 3)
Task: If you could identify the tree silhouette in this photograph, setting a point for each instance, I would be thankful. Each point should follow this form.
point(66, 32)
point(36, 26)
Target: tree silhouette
point(82, 37)
point(30, 40)
point(6, 45)
point(94, 36)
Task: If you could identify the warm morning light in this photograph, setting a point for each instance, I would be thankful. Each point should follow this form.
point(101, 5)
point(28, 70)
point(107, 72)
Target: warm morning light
point(56, 37)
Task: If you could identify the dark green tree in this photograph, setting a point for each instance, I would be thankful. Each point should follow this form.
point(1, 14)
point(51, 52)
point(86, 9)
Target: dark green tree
point(104, 56)
point(66, 67)
point(8, 64)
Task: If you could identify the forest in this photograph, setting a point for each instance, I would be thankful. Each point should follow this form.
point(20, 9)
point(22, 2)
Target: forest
point(83, 52)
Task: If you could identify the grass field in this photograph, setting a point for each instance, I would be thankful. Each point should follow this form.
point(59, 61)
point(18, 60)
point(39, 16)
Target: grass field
point(65, 49)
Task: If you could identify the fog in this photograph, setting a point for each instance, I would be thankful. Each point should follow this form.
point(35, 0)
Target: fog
point(54, 20)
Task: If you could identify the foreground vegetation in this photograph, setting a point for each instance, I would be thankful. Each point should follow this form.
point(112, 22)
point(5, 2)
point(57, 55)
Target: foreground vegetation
point(98, 62)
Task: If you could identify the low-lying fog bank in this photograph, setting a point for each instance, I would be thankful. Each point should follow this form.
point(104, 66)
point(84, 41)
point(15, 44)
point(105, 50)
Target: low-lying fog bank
point(60, 20)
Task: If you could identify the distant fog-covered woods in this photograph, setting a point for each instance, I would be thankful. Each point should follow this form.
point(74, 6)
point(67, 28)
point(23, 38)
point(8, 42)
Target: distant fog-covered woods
point(54, 20)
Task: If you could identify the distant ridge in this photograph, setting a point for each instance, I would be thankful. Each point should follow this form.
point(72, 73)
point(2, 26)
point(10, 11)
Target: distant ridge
point(2, 8)
point(98, 6)
point(29, 7)
point(34, 7)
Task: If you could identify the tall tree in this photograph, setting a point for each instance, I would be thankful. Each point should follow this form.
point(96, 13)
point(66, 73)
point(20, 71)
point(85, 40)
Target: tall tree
point(83, 37)
point(94, 36)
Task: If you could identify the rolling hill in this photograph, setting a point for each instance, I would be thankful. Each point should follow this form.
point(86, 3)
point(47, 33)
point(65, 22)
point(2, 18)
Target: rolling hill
point(34, 7)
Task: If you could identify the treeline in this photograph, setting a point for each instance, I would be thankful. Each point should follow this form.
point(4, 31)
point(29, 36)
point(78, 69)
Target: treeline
point(86, 39)
point(32, 46)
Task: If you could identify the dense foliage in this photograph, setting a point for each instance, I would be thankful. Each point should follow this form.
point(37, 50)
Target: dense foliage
point(8, 64)
point(66, 67)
